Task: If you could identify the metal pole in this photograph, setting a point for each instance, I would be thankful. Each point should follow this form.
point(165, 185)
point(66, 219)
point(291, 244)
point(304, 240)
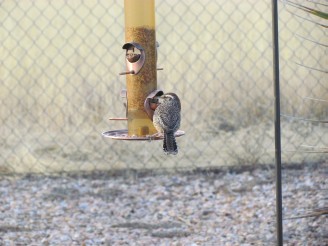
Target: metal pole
point(275, 39)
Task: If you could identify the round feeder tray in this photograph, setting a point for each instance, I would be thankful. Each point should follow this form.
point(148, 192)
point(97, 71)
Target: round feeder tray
point(123, 135)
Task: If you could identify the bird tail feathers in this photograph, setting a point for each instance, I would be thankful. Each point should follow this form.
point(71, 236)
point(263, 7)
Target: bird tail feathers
point(169, 144)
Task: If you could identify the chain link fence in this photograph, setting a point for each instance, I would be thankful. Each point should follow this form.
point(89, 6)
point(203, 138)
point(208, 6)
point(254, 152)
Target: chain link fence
point(59, 85)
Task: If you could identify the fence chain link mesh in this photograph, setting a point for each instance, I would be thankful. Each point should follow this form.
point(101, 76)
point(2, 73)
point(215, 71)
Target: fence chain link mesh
point(59, 84)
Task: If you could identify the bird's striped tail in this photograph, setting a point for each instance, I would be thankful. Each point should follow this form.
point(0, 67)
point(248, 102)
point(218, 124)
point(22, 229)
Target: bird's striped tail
point(169, 144)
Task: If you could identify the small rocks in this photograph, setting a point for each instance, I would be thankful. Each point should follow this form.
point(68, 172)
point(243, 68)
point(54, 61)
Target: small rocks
point(174, 209)
point(170, 233)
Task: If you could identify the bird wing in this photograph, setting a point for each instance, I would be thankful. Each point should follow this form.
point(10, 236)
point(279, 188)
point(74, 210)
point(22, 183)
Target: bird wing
point(171, 121)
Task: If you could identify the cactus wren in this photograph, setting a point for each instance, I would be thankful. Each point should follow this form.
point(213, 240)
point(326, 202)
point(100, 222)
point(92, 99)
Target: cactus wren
point(167, 119)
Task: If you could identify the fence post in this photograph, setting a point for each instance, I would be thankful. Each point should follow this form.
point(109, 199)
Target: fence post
point(275, 39)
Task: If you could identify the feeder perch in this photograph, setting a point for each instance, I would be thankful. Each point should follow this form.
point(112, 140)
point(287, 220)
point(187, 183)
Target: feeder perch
point(140, 96)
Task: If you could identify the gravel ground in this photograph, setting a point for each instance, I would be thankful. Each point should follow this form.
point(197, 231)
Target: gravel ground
point(234, 207)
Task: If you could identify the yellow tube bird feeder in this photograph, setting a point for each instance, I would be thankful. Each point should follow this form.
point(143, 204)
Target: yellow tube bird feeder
point(141, 72)
point(140, 34)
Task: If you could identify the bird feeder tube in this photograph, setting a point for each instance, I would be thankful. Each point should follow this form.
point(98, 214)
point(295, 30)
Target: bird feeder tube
point(141, 72)
point(140, 37)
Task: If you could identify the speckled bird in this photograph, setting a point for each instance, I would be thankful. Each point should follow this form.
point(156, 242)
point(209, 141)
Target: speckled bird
point(167, 119)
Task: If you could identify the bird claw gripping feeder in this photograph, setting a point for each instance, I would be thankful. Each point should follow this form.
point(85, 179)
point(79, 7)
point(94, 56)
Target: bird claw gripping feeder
point(141, 73)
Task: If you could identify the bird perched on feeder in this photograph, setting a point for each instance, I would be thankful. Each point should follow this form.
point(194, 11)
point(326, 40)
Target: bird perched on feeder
point(167, 119)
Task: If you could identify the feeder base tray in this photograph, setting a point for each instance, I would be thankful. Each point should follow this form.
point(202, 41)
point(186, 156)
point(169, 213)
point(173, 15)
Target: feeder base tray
point(123, 135)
